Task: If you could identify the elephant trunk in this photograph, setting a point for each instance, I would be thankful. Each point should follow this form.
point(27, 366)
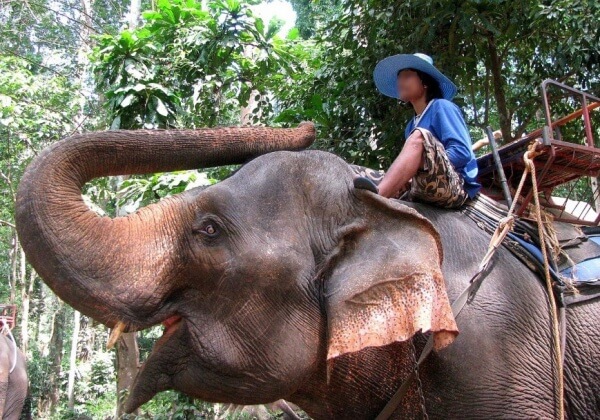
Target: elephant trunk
point(123, 269)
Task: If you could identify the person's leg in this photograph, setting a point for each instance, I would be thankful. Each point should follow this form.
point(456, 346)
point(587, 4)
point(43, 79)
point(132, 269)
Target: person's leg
point(373, 175)
point(438, 182)
point(404, 167)
point(367, 178)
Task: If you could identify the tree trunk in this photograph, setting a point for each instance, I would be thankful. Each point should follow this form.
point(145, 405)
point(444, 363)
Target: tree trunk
point(73, 359)
point(49, 401)
point(128, 356)
point(27, 283)
point(14, 263)
point(87, 340)
point(499, 91)
point(246, 112)
point(135, 9)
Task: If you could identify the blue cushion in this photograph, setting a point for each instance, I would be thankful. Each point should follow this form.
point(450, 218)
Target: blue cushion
point(585, 271)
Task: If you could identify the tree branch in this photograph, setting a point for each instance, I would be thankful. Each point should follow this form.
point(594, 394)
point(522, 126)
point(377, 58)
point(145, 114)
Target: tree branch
point(475, 116)
point(35, 62)
point(5, 223)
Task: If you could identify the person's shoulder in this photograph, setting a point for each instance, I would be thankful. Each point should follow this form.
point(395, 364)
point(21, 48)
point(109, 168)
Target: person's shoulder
point(446, 107)
point(441, 103)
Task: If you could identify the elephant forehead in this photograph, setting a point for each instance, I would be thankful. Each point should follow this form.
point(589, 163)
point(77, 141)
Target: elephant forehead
point(307, 168)
point(286, 185)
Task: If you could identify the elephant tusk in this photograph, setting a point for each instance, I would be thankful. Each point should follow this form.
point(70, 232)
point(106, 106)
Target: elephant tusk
point(115, 334)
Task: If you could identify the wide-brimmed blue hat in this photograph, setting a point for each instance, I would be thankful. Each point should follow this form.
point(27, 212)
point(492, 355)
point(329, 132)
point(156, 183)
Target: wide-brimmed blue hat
point(386, 73)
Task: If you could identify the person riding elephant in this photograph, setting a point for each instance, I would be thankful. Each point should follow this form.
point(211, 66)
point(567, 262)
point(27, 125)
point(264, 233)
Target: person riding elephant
point(436, 163)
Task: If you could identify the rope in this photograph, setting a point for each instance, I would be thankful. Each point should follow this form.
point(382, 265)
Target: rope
point(550, 232)
point(6, 331)
point(530, 167)
point(425, 416)
point(504, 226)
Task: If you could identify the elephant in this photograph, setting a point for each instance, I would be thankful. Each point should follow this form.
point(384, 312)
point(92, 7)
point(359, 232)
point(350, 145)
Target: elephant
point(14, 383)
point(285, 281)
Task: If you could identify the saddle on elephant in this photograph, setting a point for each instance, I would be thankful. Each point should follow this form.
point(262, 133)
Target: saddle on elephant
point(564, 179)
point(575, 250)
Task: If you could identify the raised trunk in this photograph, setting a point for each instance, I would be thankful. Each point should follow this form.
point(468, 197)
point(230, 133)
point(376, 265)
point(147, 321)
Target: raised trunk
point(87, 259)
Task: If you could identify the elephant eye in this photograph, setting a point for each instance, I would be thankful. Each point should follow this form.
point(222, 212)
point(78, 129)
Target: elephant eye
point(208, 228)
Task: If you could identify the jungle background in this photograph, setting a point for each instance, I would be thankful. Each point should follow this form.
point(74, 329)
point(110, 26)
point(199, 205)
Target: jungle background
point(72, 66)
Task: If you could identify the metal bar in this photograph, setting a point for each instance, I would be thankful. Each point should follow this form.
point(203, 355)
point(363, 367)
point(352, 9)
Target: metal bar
point(576, 221)
point(589, 208)
point(548, 163)
point(585, 108)
point(568, 170)
point(551, 204)
point(587, 123)
point(595, 151)
point(561, 121)
point(545, 83)
point(568, 89)
point(499, 167)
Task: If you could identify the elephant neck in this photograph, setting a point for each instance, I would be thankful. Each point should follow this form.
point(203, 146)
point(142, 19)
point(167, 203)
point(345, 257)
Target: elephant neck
point(360, 384)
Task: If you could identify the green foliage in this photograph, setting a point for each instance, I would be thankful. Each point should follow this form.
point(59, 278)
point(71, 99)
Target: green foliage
point(36, 109)
point(191, 66)
point(174, 405)
point(139, 192)
point(497, 52)
point(95, 388)
point(310, 14)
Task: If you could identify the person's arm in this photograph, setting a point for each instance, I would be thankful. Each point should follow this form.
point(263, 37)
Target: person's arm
point(479, 144)
point(484, 141)
point(453, 134)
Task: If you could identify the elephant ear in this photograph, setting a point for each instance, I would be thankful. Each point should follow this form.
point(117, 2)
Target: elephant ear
point(386, 282)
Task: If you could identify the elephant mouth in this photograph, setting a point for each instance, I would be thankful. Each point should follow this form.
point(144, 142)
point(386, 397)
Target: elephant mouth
point(171, 323)
point(150, 378)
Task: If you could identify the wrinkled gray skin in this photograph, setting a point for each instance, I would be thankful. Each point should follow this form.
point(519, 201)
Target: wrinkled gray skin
point(13, 386)
point(263, 254)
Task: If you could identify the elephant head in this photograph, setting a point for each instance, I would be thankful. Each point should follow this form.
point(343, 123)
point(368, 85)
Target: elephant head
point(258, 279)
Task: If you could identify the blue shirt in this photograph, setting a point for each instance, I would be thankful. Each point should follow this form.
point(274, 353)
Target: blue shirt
point(446, 123)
